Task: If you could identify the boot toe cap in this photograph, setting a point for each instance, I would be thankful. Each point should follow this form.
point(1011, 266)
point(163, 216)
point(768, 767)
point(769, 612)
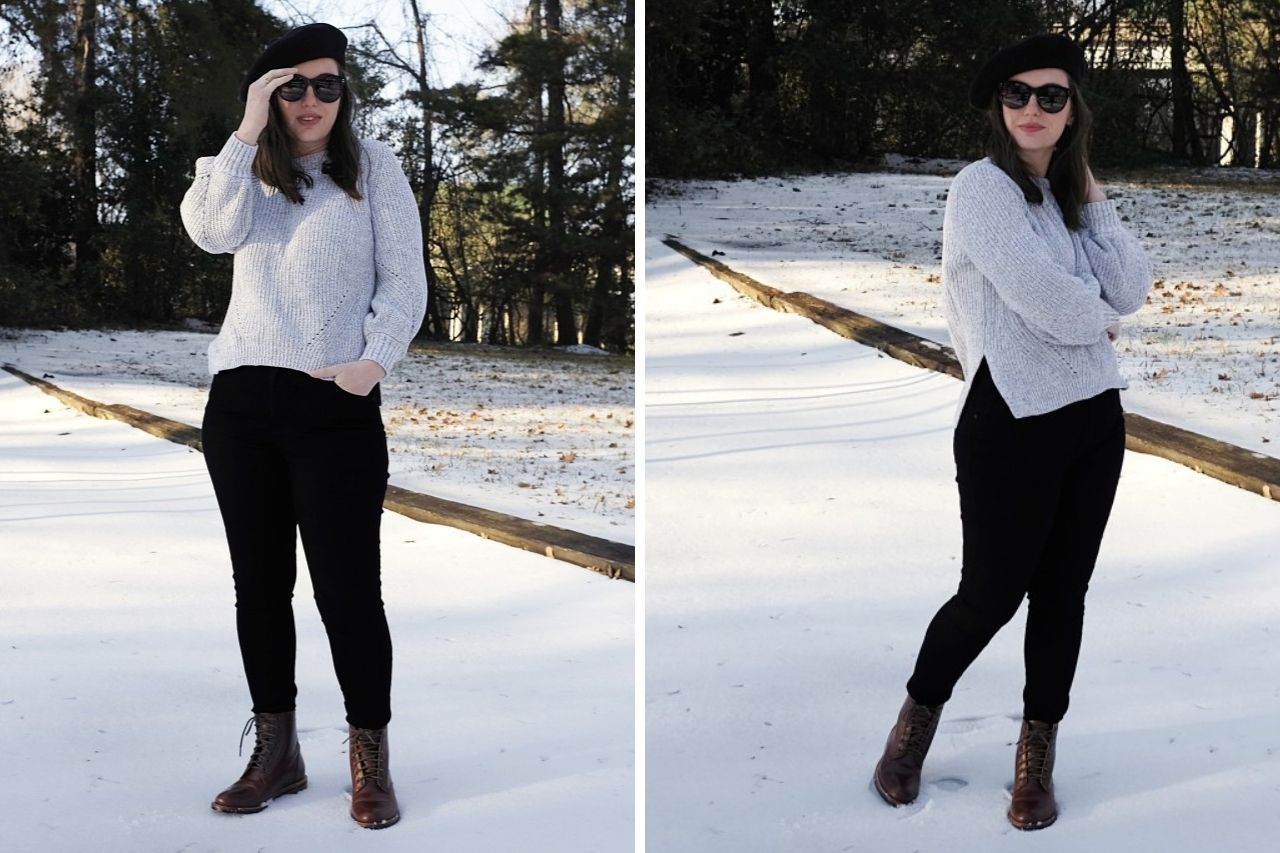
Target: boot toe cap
point(896, 788)
point(375, 816)
point(1033, 812)
point(239, 799)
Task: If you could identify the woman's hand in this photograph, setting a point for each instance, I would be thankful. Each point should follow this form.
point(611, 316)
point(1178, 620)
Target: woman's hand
point(257, 105)
point(354, 377)
point(1092, 192)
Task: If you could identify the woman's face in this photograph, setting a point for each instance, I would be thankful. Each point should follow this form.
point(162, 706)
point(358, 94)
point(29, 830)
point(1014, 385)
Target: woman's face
point(309, 120)
point(1034, 130)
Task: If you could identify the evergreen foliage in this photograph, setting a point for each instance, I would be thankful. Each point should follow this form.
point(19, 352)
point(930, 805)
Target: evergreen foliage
point(105, 107)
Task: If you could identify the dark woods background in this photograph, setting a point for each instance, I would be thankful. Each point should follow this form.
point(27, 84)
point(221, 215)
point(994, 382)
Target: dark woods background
point(751, 86)
point(524, 180)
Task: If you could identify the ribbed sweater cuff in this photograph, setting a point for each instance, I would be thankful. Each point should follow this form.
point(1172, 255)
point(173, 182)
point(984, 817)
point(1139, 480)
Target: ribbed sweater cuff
point(385, 350)
point(236, 158)
point(1101, 216)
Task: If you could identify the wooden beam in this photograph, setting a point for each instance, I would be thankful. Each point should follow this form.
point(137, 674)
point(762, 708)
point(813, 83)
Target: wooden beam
point(1252, 471)
point(614, 559)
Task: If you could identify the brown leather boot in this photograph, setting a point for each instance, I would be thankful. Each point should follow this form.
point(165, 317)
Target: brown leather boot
point(275, 767)
point(897, 776)
point(373, 798)
point(1033, 806)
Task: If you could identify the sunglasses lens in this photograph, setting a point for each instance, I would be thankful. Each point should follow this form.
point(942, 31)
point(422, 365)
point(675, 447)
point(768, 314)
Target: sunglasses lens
point(1052, 98)
point(294, 89)
point(1014, 95)
point(328, 89)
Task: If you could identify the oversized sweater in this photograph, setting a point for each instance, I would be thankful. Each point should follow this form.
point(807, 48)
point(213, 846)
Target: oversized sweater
point(1031, 296)
point(329, 281)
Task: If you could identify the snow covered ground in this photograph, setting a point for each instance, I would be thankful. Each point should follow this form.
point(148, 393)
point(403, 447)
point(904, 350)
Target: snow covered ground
point(803, 527)
point(543, 436)
point(122, 697)
point(1203, 354)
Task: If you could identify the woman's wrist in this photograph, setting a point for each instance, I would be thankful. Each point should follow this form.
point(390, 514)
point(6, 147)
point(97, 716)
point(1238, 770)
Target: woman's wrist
point(248, 138)
point(1093, 192)
point(373, 365)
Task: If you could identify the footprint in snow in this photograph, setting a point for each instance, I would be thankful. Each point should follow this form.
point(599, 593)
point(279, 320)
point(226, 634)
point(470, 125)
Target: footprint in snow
point(965, 725)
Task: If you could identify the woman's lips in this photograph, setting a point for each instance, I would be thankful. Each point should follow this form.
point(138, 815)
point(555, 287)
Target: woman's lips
point(308, 119)
point(1031, 128)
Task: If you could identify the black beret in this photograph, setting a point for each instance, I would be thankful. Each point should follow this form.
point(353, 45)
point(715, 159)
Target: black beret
point(1042, 51)
point(312, 41)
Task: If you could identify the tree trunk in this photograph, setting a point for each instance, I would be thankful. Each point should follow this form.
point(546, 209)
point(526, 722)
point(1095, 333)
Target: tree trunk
point(538, 294)
point(436, 327)
point(614, 255)
point(566, 322)
point(1185, 140)
point(84, 156)
point(763, 81)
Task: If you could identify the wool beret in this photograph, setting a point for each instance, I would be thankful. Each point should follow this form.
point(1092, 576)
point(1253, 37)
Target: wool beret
point(312, 41)
point(1042, 51)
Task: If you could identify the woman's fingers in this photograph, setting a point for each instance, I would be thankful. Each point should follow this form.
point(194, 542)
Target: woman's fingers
point(258, 103)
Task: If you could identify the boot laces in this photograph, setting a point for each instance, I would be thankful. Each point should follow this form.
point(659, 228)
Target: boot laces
point(1034, 755)
point(918, 731)
point(265, 734)
point(370, 759)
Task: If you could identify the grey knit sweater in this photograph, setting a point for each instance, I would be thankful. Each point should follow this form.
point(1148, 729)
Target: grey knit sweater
point(329, 281)
point(1032, 297)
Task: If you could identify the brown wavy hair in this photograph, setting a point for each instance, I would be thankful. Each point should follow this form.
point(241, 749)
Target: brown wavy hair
point(273, 164)
point(1068, 167)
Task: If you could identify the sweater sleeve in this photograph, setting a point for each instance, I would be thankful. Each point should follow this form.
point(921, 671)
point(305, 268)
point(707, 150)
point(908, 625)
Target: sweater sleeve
point(988, 213)
point(400, 286)
point(217, 210)
point(1115, 257)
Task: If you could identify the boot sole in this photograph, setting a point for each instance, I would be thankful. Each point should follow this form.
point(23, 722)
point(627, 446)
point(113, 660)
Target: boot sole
point(1031, 827)
point(292, 788)
point(383, 824)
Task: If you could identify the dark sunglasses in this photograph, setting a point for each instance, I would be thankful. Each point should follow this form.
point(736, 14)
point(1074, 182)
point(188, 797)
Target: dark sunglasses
point(1014, 94)
point(328, 87)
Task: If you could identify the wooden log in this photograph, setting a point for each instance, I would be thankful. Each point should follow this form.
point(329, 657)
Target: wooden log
point(868, 331)
point(613, 559)
point(1248, 469)
point(601, 555)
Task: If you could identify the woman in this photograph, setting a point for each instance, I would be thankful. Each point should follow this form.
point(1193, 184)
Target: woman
point(1037, 269)
point(328, 290)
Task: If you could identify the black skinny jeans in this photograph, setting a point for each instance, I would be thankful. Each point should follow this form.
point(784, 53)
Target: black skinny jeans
point(287, 454)
point(1035, 495)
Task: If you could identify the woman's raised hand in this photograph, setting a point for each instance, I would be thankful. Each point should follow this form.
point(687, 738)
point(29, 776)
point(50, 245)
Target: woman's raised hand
point(1092, 192)
point(257, 104)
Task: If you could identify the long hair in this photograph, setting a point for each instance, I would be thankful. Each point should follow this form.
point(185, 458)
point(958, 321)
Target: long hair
point(273, 164)
point(1068, 167)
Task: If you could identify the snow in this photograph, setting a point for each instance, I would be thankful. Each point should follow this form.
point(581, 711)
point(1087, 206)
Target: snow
point(1203, 354)
point(122, 696)
point(804, 527)
point(542, 436)
point(582, 349)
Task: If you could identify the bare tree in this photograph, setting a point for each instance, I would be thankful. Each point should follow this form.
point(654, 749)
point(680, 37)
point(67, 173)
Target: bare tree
point(392, 56)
